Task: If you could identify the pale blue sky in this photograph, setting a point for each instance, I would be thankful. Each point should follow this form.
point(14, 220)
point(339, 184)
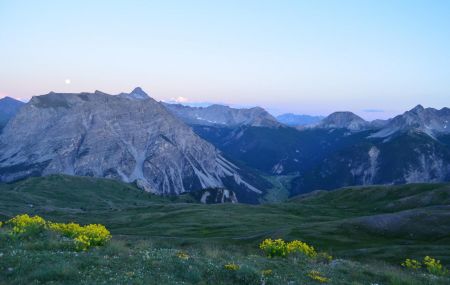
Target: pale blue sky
point(310, 57)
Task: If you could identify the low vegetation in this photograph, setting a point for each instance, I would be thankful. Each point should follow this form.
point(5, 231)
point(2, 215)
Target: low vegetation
point(42, 249)
point(84, 237)
point(280, 248)
point(156, 240)
point(432, 265)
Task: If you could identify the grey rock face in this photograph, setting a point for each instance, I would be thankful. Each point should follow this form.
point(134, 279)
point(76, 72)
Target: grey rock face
point(223, 116)
point(218, 196)
point(129, 137)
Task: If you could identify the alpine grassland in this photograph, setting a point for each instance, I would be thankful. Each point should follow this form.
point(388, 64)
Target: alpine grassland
point(75, 230)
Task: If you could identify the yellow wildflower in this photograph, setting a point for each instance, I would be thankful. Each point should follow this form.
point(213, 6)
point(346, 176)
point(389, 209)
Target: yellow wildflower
point(411, 264)
point(274, 248)
point(231, 267)
point(301, 247)
point(25, 224)
point(434, 266)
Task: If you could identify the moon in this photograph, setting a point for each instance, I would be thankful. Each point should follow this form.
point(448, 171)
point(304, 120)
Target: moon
point(67, 81)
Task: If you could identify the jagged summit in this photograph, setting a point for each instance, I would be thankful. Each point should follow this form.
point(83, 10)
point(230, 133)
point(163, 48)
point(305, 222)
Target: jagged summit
point(418, 108)
point(136, 94)
point(139, 91)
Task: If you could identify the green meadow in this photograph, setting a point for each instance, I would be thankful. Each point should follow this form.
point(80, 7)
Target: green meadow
point(175, 240)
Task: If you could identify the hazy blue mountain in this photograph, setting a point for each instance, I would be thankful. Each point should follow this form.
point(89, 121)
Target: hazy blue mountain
point(295, 120)
point(8, 108)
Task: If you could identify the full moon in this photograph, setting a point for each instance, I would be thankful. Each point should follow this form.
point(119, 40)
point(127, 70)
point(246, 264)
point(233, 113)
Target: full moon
point(67, 81)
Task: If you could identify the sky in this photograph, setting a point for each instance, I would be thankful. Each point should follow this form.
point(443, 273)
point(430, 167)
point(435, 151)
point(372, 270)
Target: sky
point(375, 58)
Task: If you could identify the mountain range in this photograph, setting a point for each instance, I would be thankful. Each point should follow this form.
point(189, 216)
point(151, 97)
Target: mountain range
point(343, 149)
point(220, 115)
point(129, 137)
point(232, 154)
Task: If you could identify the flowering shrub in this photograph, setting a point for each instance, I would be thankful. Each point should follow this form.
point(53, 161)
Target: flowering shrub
point(24, 224)
point(97, 234)
point(301, 247)
point(434, 266)
point(84, 236)
point(274, 248)
point(71, 230)
point(231, 267)
point(412, 264)
point(317, 276)
point(281, 248)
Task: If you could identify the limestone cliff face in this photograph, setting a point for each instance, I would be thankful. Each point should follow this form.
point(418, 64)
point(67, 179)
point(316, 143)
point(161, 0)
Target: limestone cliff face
point(129, 137)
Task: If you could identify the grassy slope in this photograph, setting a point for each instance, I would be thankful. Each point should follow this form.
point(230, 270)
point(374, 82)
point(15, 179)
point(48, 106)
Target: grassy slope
point(347, 223)
point(46, 259)
point(333, 221)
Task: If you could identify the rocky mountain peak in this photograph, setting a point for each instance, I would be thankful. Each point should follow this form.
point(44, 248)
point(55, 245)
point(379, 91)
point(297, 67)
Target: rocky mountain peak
point(343, 116)
point(139, 92)
point(136, 94)
point(419, 108)
point(429, 121)
point(343, 120)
